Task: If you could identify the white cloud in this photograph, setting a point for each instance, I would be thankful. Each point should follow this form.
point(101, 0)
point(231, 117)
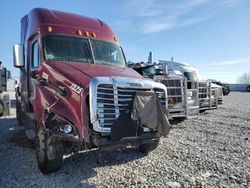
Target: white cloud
point(123, 24)
point(152, 27)
point(232, 62)
point(156, 16)
point(231, 3)
point(190, 4)
point(157, 26)
point(145, 8)
point(167, 16)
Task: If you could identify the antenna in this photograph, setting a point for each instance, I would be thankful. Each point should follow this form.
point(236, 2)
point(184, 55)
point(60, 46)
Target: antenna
point(172, 64)
point(150, 57)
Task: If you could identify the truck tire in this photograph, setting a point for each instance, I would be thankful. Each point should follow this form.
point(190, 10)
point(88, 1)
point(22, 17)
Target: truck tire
point(2, 108)
point(18, 112)
point(146, 148)
point(248, 89)
point(225, 91)
point(49, 152)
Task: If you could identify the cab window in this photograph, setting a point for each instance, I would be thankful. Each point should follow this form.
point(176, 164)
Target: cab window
point(35, 55)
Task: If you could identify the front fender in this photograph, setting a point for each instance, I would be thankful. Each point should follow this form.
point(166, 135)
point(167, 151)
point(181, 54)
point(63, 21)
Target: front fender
point(47, 101)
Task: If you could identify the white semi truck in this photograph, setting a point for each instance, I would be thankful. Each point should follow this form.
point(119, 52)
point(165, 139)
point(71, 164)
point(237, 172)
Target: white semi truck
point(209, 94)
point(182, 102)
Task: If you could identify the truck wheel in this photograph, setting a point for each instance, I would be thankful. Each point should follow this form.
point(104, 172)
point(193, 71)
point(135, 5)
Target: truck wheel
point(225, 91)
point(49, 152)
point(2, 108)
point(248, 89)
point(18, 112)
point(146, 148)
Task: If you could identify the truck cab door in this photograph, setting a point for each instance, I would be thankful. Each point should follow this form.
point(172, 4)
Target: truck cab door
point(32, 63)
point(25, 113)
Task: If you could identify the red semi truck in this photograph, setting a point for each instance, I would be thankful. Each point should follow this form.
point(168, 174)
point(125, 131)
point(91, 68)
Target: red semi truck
point(76, 91)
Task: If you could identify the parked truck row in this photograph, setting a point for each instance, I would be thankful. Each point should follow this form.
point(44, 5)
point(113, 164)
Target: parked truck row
point(77, 92)
point(188, 91)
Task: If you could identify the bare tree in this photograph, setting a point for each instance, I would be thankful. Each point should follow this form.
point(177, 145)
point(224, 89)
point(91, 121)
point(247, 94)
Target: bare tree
point(244, 79)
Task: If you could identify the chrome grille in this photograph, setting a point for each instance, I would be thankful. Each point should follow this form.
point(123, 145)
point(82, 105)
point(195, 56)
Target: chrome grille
point(161, 94)
point(113, 101)
point(203, 90)
point(213, 92)
point(220, 92)
point(175, 90)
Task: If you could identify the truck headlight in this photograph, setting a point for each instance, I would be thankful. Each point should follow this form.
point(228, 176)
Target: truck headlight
point(59, 125)
point(67, 129)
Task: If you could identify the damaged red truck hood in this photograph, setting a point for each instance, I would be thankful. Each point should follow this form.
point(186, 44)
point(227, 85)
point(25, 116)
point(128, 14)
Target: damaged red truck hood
point(79, 71)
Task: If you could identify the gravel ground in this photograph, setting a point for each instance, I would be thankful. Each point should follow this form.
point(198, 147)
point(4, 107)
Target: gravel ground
point(211, 150)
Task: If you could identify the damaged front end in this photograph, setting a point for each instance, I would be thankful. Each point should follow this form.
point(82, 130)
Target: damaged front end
point(127, 111)
point(59, 126)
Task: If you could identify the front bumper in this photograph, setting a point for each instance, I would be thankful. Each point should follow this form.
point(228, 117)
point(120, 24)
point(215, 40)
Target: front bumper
point(105, 142)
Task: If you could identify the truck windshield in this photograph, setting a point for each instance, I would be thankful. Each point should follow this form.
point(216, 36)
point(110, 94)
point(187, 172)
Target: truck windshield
point(76, 49)
point(64, 48)
point(107, 53)
point(191, 76)
point(199, 76)
point(148, 71)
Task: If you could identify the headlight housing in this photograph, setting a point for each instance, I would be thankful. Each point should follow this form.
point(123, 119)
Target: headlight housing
point(60, 125)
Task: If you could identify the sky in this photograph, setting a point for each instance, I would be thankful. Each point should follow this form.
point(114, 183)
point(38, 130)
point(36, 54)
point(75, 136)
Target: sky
point(211, 35)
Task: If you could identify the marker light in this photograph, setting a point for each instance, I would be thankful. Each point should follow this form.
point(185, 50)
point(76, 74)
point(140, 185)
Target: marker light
point(79, 32)
point(93, 34)
point(115, 39)
point(86, 33)
point(50, 29)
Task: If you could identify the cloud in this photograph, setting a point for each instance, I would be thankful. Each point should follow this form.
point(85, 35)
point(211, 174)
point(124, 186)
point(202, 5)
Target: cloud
point(152, 27)
point(168, 16)
point(232, 62)
point(190, 4)
point(147, 8)
point(231, 3)
point(157, 26)
point(156, 16)
point(123, 24)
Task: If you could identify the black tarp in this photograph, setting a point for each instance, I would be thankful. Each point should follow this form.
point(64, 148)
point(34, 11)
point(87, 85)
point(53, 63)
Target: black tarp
point(148, 110)
point(145, 110)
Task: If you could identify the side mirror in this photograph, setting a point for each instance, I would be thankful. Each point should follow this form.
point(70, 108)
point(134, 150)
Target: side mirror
point(18, 55)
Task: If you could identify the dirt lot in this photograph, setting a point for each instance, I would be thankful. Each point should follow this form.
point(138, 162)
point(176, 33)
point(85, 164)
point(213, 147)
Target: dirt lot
point(211, 150)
